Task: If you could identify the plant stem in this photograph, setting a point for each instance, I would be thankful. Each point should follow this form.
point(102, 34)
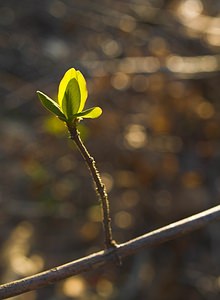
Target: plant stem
point(100, 187)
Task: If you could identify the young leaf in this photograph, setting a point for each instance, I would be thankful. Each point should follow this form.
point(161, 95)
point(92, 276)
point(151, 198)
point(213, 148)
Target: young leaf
point(71, 99)
point(83, 90)
point(72, 95)
point(51, 105)
point(70, 74)
point(90, 113)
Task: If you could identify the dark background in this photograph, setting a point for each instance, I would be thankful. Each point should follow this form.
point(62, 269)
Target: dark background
point(153, 66)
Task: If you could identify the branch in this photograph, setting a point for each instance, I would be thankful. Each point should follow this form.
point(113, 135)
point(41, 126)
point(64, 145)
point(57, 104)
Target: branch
point(99, 259)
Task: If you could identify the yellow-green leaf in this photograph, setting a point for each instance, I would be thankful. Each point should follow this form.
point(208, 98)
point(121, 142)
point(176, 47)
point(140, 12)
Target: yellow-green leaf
point(51, 105)
point(70, 74)
point(71, 99)
point(90, 113)
point(72, 95)
point(83, 90)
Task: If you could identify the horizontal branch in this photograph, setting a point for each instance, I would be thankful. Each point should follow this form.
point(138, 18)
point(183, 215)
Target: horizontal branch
point(99, 259)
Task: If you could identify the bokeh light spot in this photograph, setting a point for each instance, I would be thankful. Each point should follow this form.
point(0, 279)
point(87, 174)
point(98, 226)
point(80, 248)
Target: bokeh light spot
point(120, 81)
point(205, 110)
point(190, 8)
point(111, 48)
point(190, 65)
point(108, 181)
point(136, 136)
point(74, 287)
point(123, 219)
point(130, 198)
point(127, 23)
point(104, 288)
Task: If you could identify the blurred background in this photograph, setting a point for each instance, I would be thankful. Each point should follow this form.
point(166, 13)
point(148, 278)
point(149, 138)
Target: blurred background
point(153, 66)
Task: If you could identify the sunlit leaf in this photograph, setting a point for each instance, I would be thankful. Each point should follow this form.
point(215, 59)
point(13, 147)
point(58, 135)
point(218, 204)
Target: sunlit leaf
point(72, 95)
point(83, 90)
point(51, 105)
point(71, 99)
point(70, 74)
point(90, 113)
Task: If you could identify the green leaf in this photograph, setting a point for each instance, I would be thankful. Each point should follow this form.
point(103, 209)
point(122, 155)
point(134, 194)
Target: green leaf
point(72, 96)
point(83, 89)
point(90, 113)
point(51, 105)
point(70, 74)
point(71, 99)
